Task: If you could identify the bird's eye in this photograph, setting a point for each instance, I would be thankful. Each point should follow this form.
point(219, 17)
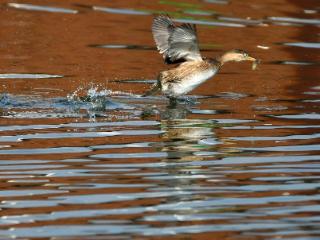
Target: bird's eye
point(245, 54)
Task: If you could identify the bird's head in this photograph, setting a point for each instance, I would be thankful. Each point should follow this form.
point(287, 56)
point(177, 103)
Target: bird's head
point(236, 55)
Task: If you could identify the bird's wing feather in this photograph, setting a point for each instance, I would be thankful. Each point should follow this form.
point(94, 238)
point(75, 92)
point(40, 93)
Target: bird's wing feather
point(175, 42)
point(161, 29)
point(183, 43)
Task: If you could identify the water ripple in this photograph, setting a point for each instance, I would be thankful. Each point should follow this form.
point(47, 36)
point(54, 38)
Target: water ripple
point(41, 8)
point(82, 161)
point(57, 150)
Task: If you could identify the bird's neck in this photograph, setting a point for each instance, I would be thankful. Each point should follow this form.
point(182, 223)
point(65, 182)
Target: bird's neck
point(215, 62)
point(226, 57)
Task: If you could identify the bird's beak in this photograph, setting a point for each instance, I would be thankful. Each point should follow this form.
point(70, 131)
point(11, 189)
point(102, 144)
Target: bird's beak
point(251, 59)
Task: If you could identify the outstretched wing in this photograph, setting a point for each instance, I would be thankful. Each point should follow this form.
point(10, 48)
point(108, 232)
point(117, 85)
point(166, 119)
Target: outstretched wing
point(176, 43)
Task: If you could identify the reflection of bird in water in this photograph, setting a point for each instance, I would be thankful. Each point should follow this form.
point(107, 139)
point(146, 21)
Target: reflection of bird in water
point(181, 138)
point(180, 44)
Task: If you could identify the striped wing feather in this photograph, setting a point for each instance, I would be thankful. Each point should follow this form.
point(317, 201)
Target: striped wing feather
point(176, 43)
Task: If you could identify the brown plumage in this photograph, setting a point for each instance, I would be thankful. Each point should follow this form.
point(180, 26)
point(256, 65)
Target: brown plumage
point(180, 43)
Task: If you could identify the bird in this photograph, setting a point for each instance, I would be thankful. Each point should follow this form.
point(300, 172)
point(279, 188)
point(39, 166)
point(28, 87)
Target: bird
point(179, 44)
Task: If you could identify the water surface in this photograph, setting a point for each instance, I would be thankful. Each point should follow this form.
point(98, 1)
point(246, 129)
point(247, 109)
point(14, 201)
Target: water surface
point(84, 156)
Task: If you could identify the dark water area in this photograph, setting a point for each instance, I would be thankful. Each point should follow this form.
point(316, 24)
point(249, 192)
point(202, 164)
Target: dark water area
point(84, 156)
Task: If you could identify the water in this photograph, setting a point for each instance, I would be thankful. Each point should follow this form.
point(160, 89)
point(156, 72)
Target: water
point(84, 156)
point(41, 8)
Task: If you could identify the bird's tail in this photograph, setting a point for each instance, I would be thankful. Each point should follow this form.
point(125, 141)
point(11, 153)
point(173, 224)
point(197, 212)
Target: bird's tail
point(154, 90)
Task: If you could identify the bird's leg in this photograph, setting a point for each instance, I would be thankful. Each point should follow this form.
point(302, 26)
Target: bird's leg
point(172, 102)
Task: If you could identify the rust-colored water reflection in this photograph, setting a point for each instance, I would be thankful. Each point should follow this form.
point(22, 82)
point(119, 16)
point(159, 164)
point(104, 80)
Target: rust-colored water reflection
point(84, 156)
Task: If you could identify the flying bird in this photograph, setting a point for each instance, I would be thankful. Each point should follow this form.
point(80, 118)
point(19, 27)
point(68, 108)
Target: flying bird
point(179, 44)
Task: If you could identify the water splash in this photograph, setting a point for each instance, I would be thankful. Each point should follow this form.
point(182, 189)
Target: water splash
point(84, 102)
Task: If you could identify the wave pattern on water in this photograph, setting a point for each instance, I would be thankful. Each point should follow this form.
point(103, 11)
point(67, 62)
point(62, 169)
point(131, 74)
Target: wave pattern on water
point(183, 168)
point(33, 7)
point(240, 160)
